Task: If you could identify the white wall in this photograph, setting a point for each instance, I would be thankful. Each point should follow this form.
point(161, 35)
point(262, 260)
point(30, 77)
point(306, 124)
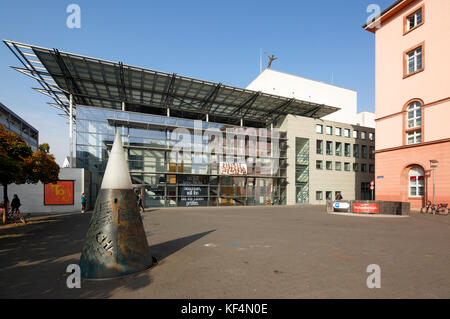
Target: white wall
point(366, 119)
point(32, 195)
point(292, 86)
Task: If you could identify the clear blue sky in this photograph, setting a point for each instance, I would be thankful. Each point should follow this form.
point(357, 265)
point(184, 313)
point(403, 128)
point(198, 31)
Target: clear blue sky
point(218, 41)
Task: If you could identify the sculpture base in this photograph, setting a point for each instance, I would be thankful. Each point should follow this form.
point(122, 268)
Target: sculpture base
point(116, 244)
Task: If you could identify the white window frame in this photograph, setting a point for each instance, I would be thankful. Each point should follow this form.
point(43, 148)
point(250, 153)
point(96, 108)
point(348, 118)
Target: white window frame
point(329, 130)
point(415, 184)
point(338, 131)
point(319, 128)
point(415, 135)
point(347, 132)
point(413, 58)
point(415, 16)
point(414, 115)
point(355, 134)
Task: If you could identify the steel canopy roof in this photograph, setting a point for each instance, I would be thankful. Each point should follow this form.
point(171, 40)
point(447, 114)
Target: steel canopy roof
point(100, 83)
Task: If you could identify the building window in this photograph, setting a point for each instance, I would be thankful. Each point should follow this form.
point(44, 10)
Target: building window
point(371, 168)
point(347, 167)
point(329, 130)
point(319, 165)
point(414, 115)
point(329, 148)
point(372, 152)
point(364, 168)
point(319, 195)
point(414, 20)
point(414, 137)
point(371, 136)
point(347, 150)
point(355, 134)
point(416, 182)
point(329, 195)
point(319, 147)
point(319, 129)
point(363, 135)
point(338, 131)
point(355, 167)
point(414, 60)
point(329, 165)
point(338, 149)
point(347, 132)
point(338, 166)
point(364, 151)
point(355, 150)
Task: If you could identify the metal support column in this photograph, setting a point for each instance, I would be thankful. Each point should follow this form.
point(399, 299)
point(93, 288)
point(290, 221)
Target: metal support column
point(71, 129)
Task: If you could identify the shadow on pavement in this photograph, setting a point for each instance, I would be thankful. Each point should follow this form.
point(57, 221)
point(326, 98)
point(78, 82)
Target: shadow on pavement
point(34, 258)
point(162, 250)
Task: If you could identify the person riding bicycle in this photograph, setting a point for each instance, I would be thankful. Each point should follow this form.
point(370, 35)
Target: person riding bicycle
point(15, 204)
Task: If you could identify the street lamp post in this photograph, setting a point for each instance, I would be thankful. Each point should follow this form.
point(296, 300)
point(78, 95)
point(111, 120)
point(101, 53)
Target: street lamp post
point(435, 162)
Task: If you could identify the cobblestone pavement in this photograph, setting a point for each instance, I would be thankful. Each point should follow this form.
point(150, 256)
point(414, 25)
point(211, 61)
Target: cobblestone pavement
point(241, 252)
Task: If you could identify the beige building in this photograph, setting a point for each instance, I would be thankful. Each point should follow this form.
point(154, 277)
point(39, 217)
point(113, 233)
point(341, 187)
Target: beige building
point(326, 157)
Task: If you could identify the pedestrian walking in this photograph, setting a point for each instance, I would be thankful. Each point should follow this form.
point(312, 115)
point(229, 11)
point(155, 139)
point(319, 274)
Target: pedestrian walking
point(140, 205)
point(339, 196)
point(83, 202)
point(15, 204)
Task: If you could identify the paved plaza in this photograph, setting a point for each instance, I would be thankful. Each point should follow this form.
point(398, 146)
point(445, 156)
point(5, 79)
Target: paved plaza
point(240, 252)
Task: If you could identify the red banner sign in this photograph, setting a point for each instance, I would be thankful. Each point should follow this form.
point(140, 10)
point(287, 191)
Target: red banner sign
point(60, 193)
point(370, 208)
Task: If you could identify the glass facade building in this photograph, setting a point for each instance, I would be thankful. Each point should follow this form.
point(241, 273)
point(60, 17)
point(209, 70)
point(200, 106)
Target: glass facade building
point(16, 124)
point(170, 176)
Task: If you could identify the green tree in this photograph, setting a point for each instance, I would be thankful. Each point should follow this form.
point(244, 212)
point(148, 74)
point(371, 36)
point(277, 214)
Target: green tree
point(18, 164)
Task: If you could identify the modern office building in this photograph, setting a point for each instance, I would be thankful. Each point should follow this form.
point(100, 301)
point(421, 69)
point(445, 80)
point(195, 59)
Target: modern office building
point(191, 142)
point(14, 123)
point(325, 158)
point(413, 101)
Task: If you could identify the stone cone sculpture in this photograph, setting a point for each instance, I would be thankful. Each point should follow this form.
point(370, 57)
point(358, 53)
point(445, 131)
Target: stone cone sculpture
point(115, 244)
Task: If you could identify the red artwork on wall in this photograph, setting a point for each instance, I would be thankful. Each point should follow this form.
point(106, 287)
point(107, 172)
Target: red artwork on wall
point(60, 193)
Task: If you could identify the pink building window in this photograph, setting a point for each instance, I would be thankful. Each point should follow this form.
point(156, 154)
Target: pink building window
point(414, 60)
point(413, 20)
point(413, 122)
point(416, 182)
point(414, 115)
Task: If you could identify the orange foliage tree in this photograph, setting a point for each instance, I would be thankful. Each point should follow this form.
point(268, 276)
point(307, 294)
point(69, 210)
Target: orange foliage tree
point(19, 165)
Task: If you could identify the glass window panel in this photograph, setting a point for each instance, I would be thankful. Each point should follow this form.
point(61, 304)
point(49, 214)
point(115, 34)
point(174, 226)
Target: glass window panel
point(419, 16)
point(420, 191)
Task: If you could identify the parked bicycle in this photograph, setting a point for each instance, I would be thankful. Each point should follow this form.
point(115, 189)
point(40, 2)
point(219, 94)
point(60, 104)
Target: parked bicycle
point(439, 209)
point(15, 216)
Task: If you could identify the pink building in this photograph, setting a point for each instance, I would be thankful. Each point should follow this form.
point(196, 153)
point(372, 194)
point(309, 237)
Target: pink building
point(412, 85)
